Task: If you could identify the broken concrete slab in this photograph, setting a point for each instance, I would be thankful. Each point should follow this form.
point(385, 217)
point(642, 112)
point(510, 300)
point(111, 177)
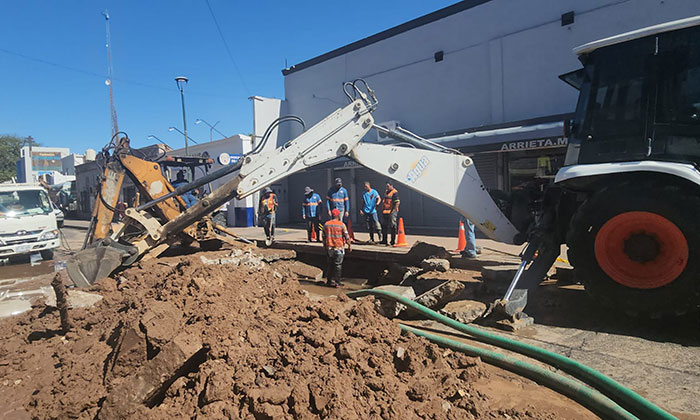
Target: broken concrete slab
point(10, 307)
point(305, 271)
point(498, 277)
point(76, 298)
point(161, 323)
point(237, 257)
point(152, 378)
point(435, 264)
point(390, 308)
point(440, 295)
point(269, 254)
point(464, 311)
point(423, 250)
point(398, 274)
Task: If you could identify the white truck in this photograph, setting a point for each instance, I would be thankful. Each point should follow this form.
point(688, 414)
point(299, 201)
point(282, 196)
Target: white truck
point(27, 221)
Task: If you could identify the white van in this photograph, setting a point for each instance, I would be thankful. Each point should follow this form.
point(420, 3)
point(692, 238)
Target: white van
point(27, 221)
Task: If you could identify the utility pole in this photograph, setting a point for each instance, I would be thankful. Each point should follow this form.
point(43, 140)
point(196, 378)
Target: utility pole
point(108, 82)
point(181, 81)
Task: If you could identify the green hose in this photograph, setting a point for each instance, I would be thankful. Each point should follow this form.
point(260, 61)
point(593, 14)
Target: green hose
point(589, 398)
point(624, 396)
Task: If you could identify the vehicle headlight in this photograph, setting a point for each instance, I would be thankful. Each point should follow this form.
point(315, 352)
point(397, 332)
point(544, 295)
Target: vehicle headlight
point(52, 234)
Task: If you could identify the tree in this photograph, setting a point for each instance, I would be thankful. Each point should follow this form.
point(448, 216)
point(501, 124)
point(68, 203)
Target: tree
point(9, 154)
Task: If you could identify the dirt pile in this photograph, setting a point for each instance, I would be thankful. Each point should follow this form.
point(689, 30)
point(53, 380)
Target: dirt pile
point(179, 338)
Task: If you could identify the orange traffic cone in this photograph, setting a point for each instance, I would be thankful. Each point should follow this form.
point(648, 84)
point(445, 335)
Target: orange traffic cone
point(350, 232)
point(313, 233)
point(401, 240)
point(461, 238)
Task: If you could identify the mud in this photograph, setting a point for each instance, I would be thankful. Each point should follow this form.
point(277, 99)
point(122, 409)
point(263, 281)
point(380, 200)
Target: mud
point(177, 338)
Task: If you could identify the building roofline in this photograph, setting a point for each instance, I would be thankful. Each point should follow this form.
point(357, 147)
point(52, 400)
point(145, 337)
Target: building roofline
point(396, 30)
point(638, 33)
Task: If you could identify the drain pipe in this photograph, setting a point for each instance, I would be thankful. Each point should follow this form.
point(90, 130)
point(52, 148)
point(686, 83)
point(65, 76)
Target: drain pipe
point(624, 396)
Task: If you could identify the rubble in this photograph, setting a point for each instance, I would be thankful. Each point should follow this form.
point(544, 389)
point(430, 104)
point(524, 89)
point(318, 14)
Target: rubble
point(423, 250)
point(390, 308)
point(217, 337)
point(464, 311)
point(305, 271)
point(438, 296)
point(435, 264)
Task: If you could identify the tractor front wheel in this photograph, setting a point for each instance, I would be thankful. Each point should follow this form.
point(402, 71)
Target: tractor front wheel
point(637, 249)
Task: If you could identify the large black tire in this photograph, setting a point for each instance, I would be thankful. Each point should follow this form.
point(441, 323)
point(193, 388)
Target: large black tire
point(643, 247)
point(47, 254)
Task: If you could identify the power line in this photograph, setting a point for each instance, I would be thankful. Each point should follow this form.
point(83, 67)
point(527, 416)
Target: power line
point(228, 50)
point(103, 76)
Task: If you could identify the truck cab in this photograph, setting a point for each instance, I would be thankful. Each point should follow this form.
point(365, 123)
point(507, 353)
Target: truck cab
point(27, 221)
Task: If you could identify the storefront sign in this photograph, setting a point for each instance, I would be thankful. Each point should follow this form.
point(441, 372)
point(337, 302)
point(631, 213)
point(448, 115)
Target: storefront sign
point(534, 144)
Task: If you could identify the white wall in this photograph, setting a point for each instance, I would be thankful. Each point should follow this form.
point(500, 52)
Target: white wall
point(501, 62)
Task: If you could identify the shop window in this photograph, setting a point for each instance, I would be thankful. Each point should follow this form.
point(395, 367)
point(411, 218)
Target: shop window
point(534, 168)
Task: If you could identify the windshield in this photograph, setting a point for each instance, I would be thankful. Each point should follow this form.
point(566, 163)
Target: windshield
point(23, 203)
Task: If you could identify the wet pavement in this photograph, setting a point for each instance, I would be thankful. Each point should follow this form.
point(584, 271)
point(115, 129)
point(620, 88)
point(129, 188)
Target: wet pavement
point(26, 278)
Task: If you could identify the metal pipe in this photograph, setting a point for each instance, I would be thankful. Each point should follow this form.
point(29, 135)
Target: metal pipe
point(514, 282)
point(408, 139)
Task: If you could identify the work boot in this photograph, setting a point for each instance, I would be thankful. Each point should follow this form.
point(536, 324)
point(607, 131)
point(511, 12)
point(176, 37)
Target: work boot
point(331, 283)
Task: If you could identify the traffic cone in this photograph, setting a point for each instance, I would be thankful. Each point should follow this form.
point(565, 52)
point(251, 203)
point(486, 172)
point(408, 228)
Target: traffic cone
point(401, 240)
point(313, 233)
point(461, 238)
point(350, 232)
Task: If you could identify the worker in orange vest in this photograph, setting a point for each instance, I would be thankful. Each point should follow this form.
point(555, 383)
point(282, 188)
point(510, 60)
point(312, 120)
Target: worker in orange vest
point(268, 211)
point(335, 238)
point(390, 213)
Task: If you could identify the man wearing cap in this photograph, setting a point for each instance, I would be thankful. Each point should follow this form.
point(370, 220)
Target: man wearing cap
point(370, 201)
point(335, 238)
point(268, 210)
point(338, 199)
point(310, 213)
point(390, 213)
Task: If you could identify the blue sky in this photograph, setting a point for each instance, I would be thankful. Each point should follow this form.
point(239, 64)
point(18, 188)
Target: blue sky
point(53, 61)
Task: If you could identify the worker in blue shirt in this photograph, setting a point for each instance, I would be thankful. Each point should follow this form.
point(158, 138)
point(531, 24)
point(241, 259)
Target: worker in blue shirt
point(338, 199)
point(310, 213)
point(370, 200)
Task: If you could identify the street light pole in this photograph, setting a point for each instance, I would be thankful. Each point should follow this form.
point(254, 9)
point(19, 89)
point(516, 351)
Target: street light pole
point(211, 128)
point(181, 81)
point(180, 131)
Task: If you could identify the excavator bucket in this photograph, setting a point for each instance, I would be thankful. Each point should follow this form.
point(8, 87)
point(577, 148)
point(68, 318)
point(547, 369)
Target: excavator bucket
point(96, 262)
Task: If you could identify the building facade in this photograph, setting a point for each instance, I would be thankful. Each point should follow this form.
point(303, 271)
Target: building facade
point(480, 76)
point(37, 161)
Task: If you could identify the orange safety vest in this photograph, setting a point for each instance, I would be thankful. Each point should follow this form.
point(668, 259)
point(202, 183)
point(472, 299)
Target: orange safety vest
point(269, 203)
point(387, 203)
point(334, 233)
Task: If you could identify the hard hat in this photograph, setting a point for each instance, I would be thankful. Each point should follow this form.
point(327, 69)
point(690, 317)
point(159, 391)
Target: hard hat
point(307, 190)
point(335, 212)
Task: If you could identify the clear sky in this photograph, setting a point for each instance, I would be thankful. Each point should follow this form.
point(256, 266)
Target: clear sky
point(53, 61)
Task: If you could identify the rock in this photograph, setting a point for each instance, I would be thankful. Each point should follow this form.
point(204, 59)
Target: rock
point(390, 308)
point(435, 264)
point(148, 382)
point(440, 295)
point(161, 323)
point(76, 298)
point(423, 250)
point(397, 274)
point(306, 272)
point(218, 386)
point(464, 311)
point(269, 255)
